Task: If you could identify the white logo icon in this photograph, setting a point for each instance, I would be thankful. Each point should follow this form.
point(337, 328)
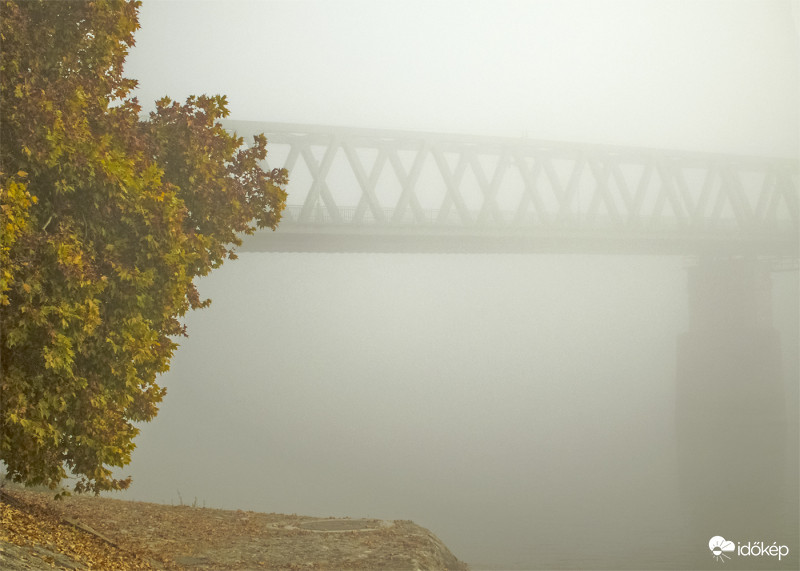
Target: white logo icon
point(719, 546)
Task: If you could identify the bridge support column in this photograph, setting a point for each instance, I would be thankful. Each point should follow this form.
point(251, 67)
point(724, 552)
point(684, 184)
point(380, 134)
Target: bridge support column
point(730, 407)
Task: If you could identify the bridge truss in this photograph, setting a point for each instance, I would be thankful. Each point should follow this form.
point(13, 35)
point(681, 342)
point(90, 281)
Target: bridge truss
point(372, 190)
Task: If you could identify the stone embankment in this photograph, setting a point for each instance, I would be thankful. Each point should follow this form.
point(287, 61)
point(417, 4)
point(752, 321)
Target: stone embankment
point(80, 532)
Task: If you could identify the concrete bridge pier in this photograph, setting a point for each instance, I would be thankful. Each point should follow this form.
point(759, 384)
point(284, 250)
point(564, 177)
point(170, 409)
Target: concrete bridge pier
point(731, 416)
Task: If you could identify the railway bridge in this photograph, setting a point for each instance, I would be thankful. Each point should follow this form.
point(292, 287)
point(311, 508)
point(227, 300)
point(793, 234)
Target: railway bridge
point(395, 191)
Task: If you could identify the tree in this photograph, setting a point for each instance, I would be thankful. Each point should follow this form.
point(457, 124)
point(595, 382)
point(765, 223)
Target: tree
point(107, 219)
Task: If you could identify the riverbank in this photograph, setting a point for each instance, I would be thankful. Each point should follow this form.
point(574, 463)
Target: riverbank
point(87, 532)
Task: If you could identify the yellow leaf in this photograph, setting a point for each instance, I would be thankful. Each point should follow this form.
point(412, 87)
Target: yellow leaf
point(22, 174)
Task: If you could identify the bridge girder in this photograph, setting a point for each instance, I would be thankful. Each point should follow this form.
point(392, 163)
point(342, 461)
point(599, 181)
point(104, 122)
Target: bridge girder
point(372, 190)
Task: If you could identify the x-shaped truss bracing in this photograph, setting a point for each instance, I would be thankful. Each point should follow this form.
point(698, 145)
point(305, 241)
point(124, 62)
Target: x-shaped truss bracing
point(548, 196)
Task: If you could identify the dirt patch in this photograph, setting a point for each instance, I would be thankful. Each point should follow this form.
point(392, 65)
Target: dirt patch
point(156, 536)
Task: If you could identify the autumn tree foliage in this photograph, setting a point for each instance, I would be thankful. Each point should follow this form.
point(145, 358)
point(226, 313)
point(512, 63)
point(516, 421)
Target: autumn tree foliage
point(106, 220)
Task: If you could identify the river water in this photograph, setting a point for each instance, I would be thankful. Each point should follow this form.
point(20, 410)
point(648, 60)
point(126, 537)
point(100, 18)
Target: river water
point(520, 407)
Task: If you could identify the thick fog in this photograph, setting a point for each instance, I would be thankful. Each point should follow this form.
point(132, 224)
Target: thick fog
point(716, 75)
point(521, 406)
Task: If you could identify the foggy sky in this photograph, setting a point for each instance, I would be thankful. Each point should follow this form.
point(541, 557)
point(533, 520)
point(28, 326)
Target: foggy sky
point(715, 75)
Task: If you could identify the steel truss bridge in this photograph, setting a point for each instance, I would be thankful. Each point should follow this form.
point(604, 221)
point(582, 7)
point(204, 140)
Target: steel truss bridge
point(395, 191)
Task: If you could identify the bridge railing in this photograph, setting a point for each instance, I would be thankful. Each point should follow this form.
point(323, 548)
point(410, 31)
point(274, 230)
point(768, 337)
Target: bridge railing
point(369, 181)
